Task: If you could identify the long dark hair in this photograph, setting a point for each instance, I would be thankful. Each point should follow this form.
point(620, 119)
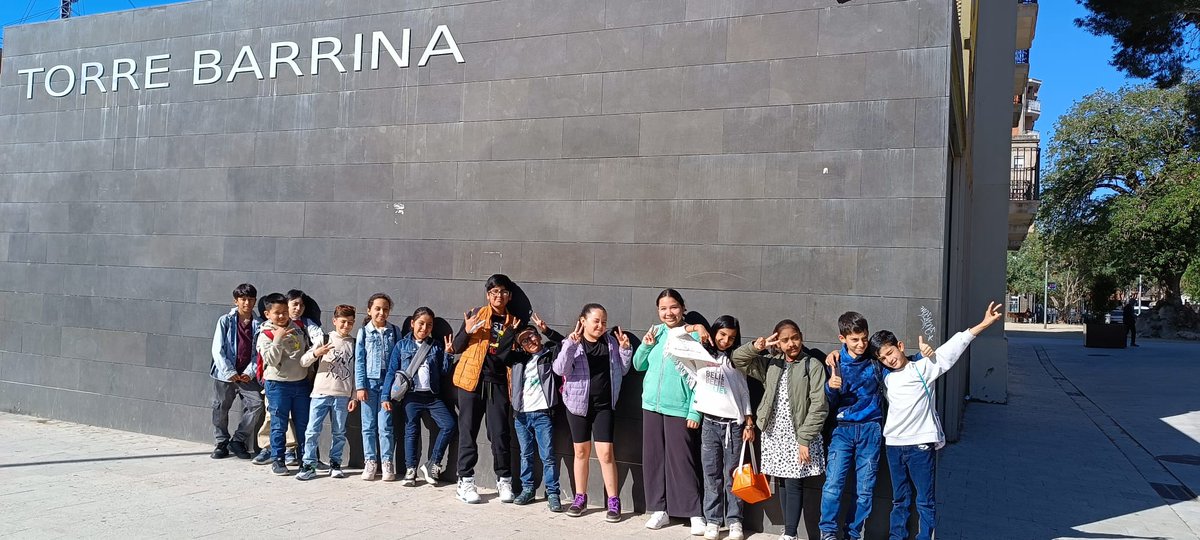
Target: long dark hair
point(726, 322)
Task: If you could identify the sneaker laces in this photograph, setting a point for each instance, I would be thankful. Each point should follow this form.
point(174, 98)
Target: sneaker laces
point(580, 500)
point(614, 504)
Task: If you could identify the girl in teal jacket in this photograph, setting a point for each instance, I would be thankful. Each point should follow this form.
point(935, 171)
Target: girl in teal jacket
point(672, 486)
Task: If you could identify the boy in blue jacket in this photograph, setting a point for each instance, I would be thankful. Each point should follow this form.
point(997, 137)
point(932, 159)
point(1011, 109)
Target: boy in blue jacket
point(855, 393)
point(233, 372)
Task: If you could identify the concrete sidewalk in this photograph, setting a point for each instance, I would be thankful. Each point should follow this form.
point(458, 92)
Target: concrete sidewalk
point(63, 480)
point(1093, 443)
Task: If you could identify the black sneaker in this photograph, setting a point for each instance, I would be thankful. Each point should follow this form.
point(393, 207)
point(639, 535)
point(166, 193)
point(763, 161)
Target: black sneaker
point(263, 457)
point(614, 510)
point(239, 449)
point(221, 451)
point(291, 458)
point(307, 472)
point(524, 497)
point(578, 506)
point(554, 502)
point(279, 468)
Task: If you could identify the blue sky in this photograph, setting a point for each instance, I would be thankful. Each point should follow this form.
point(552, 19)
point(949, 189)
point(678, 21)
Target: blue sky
point(12, 11)
point(1071, 62)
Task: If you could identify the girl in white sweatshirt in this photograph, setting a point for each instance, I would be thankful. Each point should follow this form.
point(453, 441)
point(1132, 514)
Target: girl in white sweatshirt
point(720, 393)
point(912, 431)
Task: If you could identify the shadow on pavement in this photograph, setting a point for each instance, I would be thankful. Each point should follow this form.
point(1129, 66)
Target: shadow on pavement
point(96, 460)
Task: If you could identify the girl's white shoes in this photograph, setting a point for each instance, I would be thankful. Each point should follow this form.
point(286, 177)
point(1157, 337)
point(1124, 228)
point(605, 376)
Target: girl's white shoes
point(657, 520)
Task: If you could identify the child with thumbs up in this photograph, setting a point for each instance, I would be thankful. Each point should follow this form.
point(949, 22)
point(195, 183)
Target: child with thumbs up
point(912, 431)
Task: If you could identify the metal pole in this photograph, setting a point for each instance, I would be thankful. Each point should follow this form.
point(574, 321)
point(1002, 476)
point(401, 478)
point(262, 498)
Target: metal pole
point(1046, 294)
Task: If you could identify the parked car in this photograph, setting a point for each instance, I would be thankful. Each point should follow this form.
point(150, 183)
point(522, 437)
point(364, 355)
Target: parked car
point(1116, 316)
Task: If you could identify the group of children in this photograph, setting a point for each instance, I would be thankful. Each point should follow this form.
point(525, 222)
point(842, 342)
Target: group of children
point(697, 414)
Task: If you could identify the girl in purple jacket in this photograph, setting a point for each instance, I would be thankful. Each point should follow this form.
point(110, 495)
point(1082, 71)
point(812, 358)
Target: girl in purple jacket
point(592, 363)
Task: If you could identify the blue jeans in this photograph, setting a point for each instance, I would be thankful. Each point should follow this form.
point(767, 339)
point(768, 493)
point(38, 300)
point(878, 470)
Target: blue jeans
point(376, 424)
point(720, 444)
point(414, 403)
point(916, 465)
point(288, 401)
point(335, 408)
point(857, 444)
point(537, 425)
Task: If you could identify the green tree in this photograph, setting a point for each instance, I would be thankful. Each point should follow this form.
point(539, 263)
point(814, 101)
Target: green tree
point(1027, 274)
point(1191, 281)
point(1121, 193)
point(1155, 39)
point(1024, 271)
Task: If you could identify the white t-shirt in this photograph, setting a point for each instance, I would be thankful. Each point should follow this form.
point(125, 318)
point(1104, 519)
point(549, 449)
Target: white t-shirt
point(421, 384)
point(911, 417)
point(533, 397)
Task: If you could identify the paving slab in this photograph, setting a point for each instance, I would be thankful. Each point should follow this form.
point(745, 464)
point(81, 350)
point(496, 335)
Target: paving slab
point(1093, 443)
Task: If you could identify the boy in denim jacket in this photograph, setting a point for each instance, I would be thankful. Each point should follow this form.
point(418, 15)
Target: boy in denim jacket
point(233, 375)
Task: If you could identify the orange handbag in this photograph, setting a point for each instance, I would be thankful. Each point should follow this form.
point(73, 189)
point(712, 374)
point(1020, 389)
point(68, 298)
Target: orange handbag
point(748, 484)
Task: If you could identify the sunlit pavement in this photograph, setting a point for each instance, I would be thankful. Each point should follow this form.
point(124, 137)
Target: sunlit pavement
point(1093, 443)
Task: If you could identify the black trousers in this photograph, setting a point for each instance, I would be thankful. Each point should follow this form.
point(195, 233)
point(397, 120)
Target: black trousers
point(792, 501)
point(490, 400)
point(1131, 329)
point(671, 465)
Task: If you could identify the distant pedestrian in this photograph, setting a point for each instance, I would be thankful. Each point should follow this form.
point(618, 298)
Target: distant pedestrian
point(1130, 317)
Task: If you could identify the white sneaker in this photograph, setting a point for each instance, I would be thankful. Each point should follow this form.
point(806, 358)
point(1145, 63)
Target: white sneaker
point(410, 477)
point(735, 531)
point(430, 472)
point(466, 490)
point(786, 537)
point(389, 471)
point(697, 526)
point(370, 469)
point(712, 531)
point(657, 520)
point(504, 486)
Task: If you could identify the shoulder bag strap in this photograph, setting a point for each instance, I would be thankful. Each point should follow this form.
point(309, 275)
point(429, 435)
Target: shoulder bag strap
point(418, 360)
point(929, 395)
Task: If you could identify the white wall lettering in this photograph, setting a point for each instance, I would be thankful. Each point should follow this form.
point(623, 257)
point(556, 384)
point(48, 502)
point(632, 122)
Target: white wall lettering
point(153, 72)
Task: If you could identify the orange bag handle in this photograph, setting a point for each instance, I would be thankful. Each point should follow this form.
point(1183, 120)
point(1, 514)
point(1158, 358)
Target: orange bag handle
point(753, 464)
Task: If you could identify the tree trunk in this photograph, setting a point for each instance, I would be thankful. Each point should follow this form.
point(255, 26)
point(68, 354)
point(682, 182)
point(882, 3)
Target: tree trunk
point(1171, 289)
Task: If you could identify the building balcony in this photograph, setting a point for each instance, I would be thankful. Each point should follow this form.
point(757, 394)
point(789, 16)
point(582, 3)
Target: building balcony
point(1034, 109)
point(1024, 190)
point(1021, 71)
point(1027, 12)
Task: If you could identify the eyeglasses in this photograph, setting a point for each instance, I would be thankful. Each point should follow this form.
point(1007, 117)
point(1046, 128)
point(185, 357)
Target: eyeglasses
point(499, 292)
point(530, 338)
